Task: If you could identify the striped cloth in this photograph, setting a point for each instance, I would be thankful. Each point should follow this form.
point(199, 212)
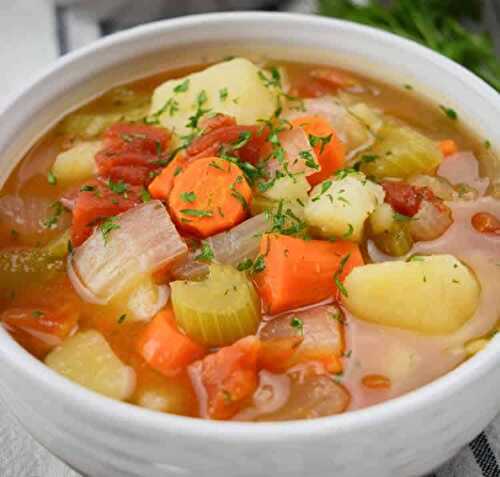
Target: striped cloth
point(57, 28)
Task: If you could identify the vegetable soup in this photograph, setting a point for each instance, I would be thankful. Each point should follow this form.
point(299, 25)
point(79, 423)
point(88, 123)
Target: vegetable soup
point(253, 241)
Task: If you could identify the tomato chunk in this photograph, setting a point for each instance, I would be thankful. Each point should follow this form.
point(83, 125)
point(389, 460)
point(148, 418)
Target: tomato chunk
point(39, 329)
point(403, 197)
point(223, 132)
point(486, 223)
point(133, 153)
point(229, 377)
point(96, 201)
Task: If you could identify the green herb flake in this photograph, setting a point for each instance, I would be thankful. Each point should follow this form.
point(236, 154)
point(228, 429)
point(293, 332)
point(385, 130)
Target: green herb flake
point(223, 94)
point(182, 87)
point(416, 258)
point(119, 188)
point(57, 210)
point(246, 264)
point(107, 226)
point(121, 318)
point(188, 197)
point(87, 188)
point(309, 160)
point(145, 195)
point(322, 140)
point(450, 113)
point(350, 230)
point(336, 277)
point(259, 265)
point(51, 178)
point(196, 212)
point(297, 324)
point(206, 253)
point(37, 314)
point(401, 217)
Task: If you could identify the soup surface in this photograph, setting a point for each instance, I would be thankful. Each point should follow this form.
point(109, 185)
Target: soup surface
point(253, 241)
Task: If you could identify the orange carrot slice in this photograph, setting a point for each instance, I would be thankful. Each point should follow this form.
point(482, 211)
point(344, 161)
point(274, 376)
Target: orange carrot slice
point(302, 272)
point(162, 184)
point(210, 196)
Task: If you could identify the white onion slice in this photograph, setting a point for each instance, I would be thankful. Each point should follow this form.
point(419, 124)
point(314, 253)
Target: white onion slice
point(145, 241)
point(463, 168)
point(230, 248)
point(430, 222)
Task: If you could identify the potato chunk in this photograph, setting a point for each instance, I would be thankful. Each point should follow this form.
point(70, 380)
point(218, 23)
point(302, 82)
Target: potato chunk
point(339, 208)
point(76, 164)
point(233, 87)
point(433, 294)
point(87, 359)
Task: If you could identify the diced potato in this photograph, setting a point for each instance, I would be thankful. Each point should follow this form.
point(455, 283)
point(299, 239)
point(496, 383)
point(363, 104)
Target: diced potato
point(401, 152)
point(87, 359)
point(341, 209)
point(77, 164)
point(119, 104)
point(143, 300)
point(166, 395)
point(289, 188)
point(433, 295)
point(248, 98)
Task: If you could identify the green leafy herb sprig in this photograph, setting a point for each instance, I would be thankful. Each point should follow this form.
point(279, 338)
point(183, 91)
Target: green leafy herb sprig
point(433, 23)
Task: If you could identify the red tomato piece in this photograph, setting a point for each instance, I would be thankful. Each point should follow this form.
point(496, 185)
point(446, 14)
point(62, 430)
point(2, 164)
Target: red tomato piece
point(133, 153)
point(39, 329)
point(97, 201)
point(229, 377)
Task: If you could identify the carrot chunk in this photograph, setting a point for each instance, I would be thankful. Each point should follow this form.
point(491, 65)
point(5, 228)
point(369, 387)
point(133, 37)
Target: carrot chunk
point(376, 381)
point(162, 184)
point(302, 272)
point(448, 147)
point(165, 348)
point(329, 149)
point(229, 377)
point(211, 195)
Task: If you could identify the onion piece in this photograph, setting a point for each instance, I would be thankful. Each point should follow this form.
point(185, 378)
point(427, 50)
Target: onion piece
point(463, 168)
point(431, 221)
point(229, 248)
point(144, 241)
point(439, 186)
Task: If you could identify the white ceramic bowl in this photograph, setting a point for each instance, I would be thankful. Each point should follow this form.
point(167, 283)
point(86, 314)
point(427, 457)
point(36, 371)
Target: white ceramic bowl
point(102, 438)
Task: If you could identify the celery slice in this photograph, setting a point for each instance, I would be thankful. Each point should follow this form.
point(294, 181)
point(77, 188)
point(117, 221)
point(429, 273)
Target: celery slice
point(400, 152)
point(219, 310)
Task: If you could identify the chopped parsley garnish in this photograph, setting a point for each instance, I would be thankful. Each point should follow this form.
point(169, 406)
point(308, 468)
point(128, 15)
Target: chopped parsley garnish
point(272, 79)
point(201, 99)
point(57, 210)
point(454, 280)
point(243, 139)
point(346, 171)
point(297, 324)
point(245, 265)
point(188, 197)
point(206, 253)
point(451, 113)
point(338, 273)
point(401, 217)
point(145, 195)
point(350, 230)
point(323, 140)
point(177, 171)
point(223, 94)
point(107, 226)
point(309, 159)
point(325, 185)
point(37, 313)
point(197, 212)
point(119, 188)
point(407, 86)
point(487, 144)
point(182, 87)
point(87, 188)
point(416, 258)
point(51, 178)
point(367, 158)
point(259, 265)
point(121, 318)
point(286, 222)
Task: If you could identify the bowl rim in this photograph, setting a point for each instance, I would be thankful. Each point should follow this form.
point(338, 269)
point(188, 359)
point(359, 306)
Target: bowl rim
point(119, 412)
